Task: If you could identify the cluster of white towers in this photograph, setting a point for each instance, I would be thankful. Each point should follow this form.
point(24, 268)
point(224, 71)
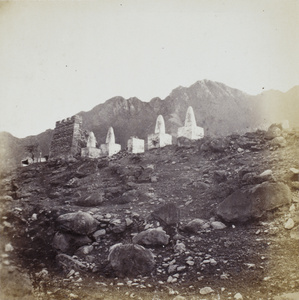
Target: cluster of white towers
point(158, 139)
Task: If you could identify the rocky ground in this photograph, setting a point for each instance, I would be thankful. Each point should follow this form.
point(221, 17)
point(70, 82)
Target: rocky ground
point(59, 220)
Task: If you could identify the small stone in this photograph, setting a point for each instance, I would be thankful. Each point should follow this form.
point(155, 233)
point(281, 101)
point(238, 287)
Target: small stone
point(8, 248)
point(74, 296)
point(128, 221)
point(238, 296)
point(6, 262)
point(179, 297)
point(206, 290)
point(240, 150)
point(181, 268)
point(190, 262)
point(172, 269)
point(294, 170)
point(179, 247)
point(266, 173)
point(34, 217)
point(218, 225)
point(213, 262)
point(292, 208)
point(289, 224)
point(7, 224)
point(99, 233)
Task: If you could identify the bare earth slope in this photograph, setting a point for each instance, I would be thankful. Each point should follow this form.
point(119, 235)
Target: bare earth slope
point(258, 259)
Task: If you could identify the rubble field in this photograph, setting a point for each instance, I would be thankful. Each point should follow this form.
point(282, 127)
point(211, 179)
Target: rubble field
point(160, 212)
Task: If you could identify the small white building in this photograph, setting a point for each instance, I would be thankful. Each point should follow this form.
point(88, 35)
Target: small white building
point(91, 151)
point(159, 139)
point(190, 130)
point(110, 148)
point(135, 145)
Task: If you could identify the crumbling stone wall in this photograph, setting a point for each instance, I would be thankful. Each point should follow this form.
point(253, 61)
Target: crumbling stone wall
point(68, 138)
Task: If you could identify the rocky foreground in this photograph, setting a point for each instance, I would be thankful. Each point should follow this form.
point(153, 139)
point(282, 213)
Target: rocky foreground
point(212, 219)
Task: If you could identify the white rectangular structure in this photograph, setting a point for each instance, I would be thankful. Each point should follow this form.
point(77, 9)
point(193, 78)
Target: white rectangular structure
point(135, 145)
point(192, 133)
point(91, 152)
point(110, 149)
point(158, 140)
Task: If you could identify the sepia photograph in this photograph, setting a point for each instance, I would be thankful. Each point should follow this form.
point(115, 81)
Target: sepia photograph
point(149, 150)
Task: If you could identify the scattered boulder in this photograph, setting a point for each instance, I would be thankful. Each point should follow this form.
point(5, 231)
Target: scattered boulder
point(77, 222)
point(131, 260)
point(95, 199)
point(218, 225)
point(206, 290)
point(84, 250)
point(197, 224)
point(168, 214)
point(118, 226)
point(278, 141)
point(99, 233)
point(68, 263)
point(69, 243)
point(253, 203)
point(154, 237)
point(289, 224)
point(273, 132)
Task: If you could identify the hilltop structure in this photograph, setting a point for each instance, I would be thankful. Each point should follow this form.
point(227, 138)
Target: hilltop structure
point(110, 148)
point(190, 130)
point(68, 138)
point(135, 145)
point(159, 139)
point(90, 150)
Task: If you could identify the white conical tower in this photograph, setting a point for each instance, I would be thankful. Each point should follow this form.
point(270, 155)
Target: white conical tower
point(190, 130)
point(91, 141)
point(110, 147)
point(90, 150)
point(159, 138)
point(190, 118)
point(160, 125)
point(110, 139)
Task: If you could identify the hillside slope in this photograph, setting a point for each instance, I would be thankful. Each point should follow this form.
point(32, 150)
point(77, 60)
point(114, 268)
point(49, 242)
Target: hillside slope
point(125, 194)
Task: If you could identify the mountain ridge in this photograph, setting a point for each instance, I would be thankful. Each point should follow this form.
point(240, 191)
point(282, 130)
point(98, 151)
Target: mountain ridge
point(219, 109)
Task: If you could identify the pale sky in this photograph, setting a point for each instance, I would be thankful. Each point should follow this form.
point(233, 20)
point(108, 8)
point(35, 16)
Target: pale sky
point(58, 58)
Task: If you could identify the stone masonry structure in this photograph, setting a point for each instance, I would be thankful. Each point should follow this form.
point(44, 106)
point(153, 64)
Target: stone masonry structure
point(70, 140)
point(190, 130)
point(110, 148)
point(135, 145)
point(67, 138)
point(159, 139)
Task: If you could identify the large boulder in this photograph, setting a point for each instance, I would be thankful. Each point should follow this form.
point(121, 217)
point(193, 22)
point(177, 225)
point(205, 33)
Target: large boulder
point(69, 243)
point(131, 260)
point(273, 131)
point(78, 222)
point(168, 214)
point(153, 237)
point(253, 203)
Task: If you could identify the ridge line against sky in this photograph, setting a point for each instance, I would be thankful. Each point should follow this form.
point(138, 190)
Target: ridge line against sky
point(61, 57)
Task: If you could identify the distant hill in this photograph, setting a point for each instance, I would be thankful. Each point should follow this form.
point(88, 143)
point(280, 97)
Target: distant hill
point(219, 109)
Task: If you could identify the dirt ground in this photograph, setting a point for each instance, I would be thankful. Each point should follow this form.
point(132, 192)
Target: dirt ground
point(253, 260)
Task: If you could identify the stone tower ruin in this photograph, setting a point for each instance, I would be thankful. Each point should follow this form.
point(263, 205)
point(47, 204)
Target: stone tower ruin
point(67, 139)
